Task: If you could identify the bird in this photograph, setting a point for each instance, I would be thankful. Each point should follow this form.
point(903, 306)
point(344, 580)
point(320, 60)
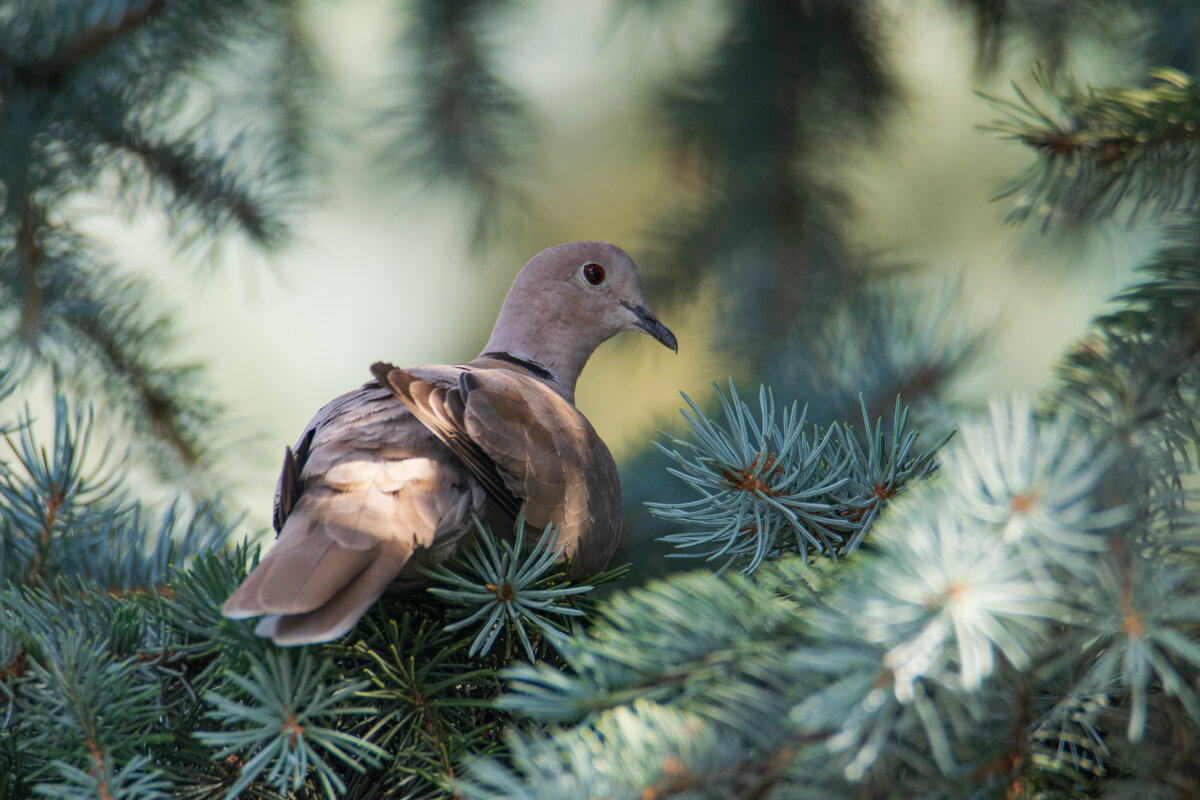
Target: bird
point(393, 475)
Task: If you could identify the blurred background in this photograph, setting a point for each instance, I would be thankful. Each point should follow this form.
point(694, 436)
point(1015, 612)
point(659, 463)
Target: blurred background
point(806, 186)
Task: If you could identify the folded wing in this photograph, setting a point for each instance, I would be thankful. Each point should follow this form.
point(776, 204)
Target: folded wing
point(548, 454)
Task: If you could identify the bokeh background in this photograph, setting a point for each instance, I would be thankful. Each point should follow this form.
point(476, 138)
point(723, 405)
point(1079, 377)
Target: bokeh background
point(795, 179)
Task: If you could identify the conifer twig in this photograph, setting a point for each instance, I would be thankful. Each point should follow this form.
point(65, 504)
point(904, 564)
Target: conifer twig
point(29, 261)
point(91, 41)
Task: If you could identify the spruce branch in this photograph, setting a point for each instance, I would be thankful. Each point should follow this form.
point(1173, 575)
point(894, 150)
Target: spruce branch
point(99, 704)
point(760, 480)
point(288, 724)
point(136, 780)
point(29, 257)
point(435, 706)
point(508, 589)
point(898, 659)
point(89, 41)
point(1032, 479)
point(1007, 630)
point(1098, 148)
point(98, 333)
point(696, 760)
point(44, 494)
point(460, 123)
point(769, 487)
point(200, 180)
point(1052, 27)
point(1069, 737)
point(1146, 622)
point(752, 126)
point(890, 340)
point(80, 109)
point(664, 723)
point(144, 551)
point(192, 599)
point(1134, 380)
point(879, 467)
point(645, 645)
point(63, 516)
point(292, 85)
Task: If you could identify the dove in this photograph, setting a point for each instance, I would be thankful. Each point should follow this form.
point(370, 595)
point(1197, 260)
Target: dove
point(393, 474)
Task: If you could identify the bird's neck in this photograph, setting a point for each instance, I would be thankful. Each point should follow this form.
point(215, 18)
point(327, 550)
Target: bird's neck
point(552, 359)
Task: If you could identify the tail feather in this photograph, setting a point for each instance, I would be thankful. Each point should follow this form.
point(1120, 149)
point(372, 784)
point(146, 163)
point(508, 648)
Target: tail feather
point(340, 613)
point(297, 580)
point(314, 558)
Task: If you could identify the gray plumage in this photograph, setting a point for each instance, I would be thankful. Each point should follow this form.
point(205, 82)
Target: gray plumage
point(389, 475)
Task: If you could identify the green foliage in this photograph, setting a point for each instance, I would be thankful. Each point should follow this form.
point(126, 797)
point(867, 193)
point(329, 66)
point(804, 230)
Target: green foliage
point(82, 114)
point(1020, 621)
point(755, 212)
point(507, 589)
point(434, 704)
point(455, 121)
point(119, 677)
point(1099, 148)
point(995, 593)
point(1166, 29)
point(891, 341)
point(65, 517)
point(286, 700)
point(769, 488)
point(1050, 28)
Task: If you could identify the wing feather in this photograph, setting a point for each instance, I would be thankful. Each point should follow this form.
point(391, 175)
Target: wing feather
point(556, 460)
point(441, 411)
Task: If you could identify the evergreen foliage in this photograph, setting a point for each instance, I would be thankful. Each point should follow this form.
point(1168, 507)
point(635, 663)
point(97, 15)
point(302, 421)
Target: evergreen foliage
point(1104, 149)
point(760, 218)
point(507, 590)
point(80, 112)
point(1023, 624)
point(121, 679)
point(1048, 27)
point(455, 121)
point(1019, 621)
point(772, 487)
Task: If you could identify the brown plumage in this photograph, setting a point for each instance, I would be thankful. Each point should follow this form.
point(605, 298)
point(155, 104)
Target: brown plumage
point(391, 473)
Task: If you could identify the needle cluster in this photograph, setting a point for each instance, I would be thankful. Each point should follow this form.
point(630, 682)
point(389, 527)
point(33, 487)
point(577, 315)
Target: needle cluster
point(770, 486)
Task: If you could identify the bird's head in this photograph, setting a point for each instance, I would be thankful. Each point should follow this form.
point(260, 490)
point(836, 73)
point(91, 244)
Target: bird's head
point(567, 301)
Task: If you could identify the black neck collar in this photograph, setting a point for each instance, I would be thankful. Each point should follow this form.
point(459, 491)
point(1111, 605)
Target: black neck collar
point(535, 368)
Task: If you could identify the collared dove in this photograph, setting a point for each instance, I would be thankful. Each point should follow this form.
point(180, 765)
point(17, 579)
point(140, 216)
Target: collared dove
point(396, 468)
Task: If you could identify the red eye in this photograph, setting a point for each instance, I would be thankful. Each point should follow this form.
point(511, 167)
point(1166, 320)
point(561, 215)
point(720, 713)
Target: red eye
point(593, 274)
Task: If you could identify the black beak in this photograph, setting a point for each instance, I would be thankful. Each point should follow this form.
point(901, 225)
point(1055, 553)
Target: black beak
point(650, 324)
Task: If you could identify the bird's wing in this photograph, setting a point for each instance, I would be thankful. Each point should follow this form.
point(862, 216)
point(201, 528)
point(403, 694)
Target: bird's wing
point(289, 487)
point(373, 486)
point(348, 410)
point(548, 454)
point(439, 407)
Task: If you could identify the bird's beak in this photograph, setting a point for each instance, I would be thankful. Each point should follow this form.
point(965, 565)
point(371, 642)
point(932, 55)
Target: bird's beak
point(650, 324)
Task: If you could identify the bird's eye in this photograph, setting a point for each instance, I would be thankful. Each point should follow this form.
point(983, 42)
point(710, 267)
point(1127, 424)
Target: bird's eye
point(593, 274)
